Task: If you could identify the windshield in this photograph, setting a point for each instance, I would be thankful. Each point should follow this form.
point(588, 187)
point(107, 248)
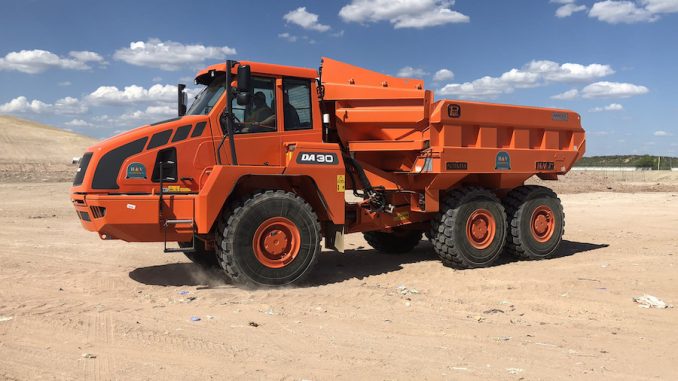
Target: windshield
point(206, 98)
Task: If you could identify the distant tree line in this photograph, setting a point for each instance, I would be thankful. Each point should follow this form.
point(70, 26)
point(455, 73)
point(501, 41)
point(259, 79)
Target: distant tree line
point(638, 161)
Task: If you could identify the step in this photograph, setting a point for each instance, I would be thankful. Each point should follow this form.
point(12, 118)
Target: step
point(177, 222)
point(179, 250)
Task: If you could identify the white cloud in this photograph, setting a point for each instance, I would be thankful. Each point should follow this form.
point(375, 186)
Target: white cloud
point(305, 19)
point(615, 12)
point(613, 90)
point(610, 107)
point(411, 72)
point(150, 113)
point(169, 55)
point(403, 13)
point(64, 83)
point(21, 105)
point(533, 74)
point(630, 12)
point(443, 75)
point(78, 123)
point(567, 8)
point(130, 118)
point(158, 99)
point(661, 6)
point(288, 37)
point(569, 94)
point(568, 72)
point(37, 61)
point(85, 56)
point(662, 133)
point(69, 105)
point(485, 87)
point(111, 95)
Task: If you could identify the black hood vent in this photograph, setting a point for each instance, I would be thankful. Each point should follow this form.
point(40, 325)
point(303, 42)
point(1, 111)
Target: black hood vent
point(82, 168)
point(106, 175)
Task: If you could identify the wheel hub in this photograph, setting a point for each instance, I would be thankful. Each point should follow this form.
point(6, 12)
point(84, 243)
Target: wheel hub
point(276, 242)
point(542, 223)
point(481, 228)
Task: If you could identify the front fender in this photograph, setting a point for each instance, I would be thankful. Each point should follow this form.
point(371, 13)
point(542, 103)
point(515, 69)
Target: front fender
point(218, 187)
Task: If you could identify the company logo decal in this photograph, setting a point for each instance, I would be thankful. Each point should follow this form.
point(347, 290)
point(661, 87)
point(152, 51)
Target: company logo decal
point(136, 171)
point(503, 161)
point(454, 111)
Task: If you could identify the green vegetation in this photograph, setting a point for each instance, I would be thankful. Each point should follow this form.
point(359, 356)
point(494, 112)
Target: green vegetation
point(665, 162)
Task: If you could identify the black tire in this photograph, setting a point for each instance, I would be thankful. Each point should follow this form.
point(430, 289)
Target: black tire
point(240, 223)
point(396, 242)
point(428, 235)
point(201, 256)
point(525, 240)
point(449, 229)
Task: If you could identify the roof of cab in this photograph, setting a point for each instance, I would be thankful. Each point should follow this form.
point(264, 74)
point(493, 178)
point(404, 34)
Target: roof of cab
point(264, 68)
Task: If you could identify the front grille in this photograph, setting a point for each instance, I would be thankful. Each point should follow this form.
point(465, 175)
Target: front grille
point(82, 168)
point(98, 211)
point(84, 216)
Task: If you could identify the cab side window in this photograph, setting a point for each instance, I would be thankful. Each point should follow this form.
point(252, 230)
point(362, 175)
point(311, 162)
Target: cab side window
point(297, 104)
point(259, 114)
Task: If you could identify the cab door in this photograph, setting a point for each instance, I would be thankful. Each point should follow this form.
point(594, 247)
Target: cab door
point(257, 137)
point(301, 120)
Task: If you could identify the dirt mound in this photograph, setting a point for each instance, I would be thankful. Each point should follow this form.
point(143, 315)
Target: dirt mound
point(30, 151)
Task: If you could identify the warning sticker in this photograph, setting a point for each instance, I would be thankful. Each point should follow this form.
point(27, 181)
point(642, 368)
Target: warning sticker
point(402, 216)
point(341, 183)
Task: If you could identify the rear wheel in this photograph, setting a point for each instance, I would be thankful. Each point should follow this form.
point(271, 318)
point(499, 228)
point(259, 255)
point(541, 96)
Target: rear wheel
point(270, 239)
point(200, 256)
point(470, 228)
point(396, 242)
point(536, 222)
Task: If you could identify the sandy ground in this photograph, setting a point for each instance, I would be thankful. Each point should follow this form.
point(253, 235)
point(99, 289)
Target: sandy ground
point(69, 294)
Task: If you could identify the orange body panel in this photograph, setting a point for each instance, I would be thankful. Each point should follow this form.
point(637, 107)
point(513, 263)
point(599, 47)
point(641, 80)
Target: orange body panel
point(135, 218)
point(409, 146)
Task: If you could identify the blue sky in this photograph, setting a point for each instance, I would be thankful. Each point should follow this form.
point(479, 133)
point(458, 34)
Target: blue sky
point(99, 68)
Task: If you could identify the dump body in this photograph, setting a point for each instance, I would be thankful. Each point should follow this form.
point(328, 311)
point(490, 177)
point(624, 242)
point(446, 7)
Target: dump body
point(409, 148)
point(406, 140)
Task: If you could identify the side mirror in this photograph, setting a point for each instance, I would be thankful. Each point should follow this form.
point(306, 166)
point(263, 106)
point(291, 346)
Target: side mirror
point(244, 78)
point(181, 99)
point(243, 99)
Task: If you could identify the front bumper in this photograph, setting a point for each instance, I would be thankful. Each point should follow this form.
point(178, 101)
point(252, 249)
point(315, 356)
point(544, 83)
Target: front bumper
point(135, 218)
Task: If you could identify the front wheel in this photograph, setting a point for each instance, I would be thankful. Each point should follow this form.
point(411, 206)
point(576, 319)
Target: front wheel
point(269, 239)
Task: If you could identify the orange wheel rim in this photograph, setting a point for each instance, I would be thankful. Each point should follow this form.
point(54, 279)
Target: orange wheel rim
point(481, 227)
point(542, 223)
point(276, 242)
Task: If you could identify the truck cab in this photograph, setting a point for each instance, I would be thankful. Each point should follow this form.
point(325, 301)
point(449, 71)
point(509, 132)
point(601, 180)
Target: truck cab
point(280, 112)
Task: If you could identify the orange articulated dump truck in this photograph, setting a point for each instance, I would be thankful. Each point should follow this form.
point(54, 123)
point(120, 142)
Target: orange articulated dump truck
point(255, 172)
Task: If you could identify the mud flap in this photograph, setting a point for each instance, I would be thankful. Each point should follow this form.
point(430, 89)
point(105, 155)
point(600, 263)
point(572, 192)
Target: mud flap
point(334, 237)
